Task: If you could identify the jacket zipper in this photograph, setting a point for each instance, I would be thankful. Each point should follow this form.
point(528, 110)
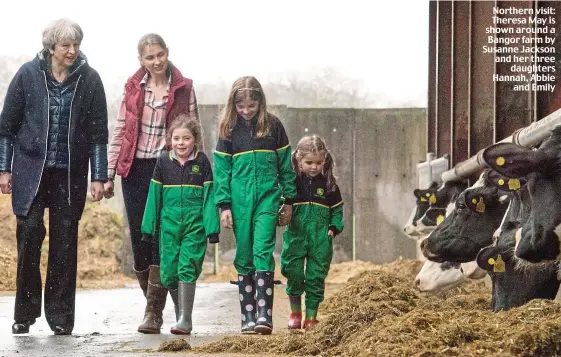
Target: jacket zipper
point(69, 131)
point(47, 135)
point(181, 193)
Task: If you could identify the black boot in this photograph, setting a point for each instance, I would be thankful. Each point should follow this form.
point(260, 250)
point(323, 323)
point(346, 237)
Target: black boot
point(174, 293)
point(247, 302)
point(22, 326)
point(265, 288)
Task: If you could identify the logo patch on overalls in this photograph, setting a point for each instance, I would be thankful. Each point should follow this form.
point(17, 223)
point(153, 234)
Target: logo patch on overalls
point(320, 191)
point(195, 169)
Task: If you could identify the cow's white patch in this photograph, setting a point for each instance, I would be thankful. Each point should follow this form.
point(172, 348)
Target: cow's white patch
point(472, 271)
point(480, 182)
point(557, 232)
point(517, 237)
point(450, 208)
point(432, 278)
point(411, 231)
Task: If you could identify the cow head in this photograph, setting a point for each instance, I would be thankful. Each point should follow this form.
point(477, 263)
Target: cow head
point(515, 284)
point(538, 239)
point(423, 200)
point(445, 197)
point(437, 277)
point(469, 227)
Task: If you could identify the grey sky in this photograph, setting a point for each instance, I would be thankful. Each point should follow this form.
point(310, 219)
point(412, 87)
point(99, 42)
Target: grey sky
point(385, 43)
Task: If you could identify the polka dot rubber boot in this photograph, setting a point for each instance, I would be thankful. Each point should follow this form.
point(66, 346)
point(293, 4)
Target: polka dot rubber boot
point(264, 286)
point(247, 302)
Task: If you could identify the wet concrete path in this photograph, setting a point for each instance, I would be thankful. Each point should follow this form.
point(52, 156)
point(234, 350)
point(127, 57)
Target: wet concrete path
point(106, 323)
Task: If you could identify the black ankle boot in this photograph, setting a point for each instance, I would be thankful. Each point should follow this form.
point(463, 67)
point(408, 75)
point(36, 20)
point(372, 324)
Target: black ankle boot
point(22, 326)
point(62, 330)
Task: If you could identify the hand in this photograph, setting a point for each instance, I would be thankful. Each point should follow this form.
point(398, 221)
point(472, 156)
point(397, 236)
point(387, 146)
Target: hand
point(6, 182)
point(285, 215)
point(330, 233)
point(108, 189)
point(226, 219)
point(96, 189)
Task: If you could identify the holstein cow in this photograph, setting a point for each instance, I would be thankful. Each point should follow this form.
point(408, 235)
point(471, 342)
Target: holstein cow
point(478, 212)
point(423, 200)
point(440, 205)
point(436, 277)
point(539, 237)
point(515, 284)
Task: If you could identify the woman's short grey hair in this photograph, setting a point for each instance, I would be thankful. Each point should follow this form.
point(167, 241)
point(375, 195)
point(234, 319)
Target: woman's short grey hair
point(150, 39)
point(61, 30)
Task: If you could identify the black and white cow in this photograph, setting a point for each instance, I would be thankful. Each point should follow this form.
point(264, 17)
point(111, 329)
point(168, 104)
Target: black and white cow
point(422, 203)
point(515, 284)
point(437, 277)
point(443, 203)
point(539, 237)
point(478, 212)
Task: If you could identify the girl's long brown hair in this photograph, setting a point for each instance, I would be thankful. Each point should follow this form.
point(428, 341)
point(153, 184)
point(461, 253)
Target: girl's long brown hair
point(316, 145)
point(243, 88)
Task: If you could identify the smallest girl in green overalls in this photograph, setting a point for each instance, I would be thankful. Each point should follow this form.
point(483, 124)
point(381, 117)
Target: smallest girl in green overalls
point(317, 218)
point(181, 214)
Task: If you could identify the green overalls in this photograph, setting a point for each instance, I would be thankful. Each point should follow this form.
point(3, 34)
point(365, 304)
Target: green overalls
point(251, 174)
point(181, 208)
point(307, 248)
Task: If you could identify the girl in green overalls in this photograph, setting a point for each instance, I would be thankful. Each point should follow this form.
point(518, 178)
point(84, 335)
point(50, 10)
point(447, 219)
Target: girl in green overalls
point(181, 212)
point(317, 218)
point(252, 171)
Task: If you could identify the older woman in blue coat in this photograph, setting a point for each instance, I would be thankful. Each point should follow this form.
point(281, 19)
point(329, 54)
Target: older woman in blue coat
point(52, 126)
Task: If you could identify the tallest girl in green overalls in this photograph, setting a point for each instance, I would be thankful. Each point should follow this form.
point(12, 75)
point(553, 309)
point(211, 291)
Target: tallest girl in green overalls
point(252, 170)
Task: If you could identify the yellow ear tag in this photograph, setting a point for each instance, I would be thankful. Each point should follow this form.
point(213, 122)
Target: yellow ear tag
point(432, 198)
point(513, 184)
point(473, 200)
point(499, 266)
point(491, 261)
point(439, 219)
point(480, 206)
point(423, 199)
point(500, 161)
point(427, 194)
point(501, 182)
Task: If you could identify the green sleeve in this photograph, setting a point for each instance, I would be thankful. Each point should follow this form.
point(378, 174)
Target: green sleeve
point(223, 174)
point(336, 219)
point(211, 219)
point(151, 219)
point(287, 176)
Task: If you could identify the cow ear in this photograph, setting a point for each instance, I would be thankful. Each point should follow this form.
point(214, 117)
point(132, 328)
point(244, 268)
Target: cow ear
point(434, 216)
point(511, 160)
point(505, 183)
point(478, 200)
point(484, 257)
point(417, 193)
point(492, 259)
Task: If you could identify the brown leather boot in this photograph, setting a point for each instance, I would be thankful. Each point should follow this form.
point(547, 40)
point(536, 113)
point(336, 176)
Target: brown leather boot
point(155, 302)
point(142, 276)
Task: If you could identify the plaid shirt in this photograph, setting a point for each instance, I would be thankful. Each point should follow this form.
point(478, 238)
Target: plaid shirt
point(152, 133)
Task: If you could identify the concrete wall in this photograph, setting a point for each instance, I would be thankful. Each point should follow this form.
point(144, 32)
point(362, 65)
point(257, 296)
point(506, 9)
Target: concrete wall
point(375, 151)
